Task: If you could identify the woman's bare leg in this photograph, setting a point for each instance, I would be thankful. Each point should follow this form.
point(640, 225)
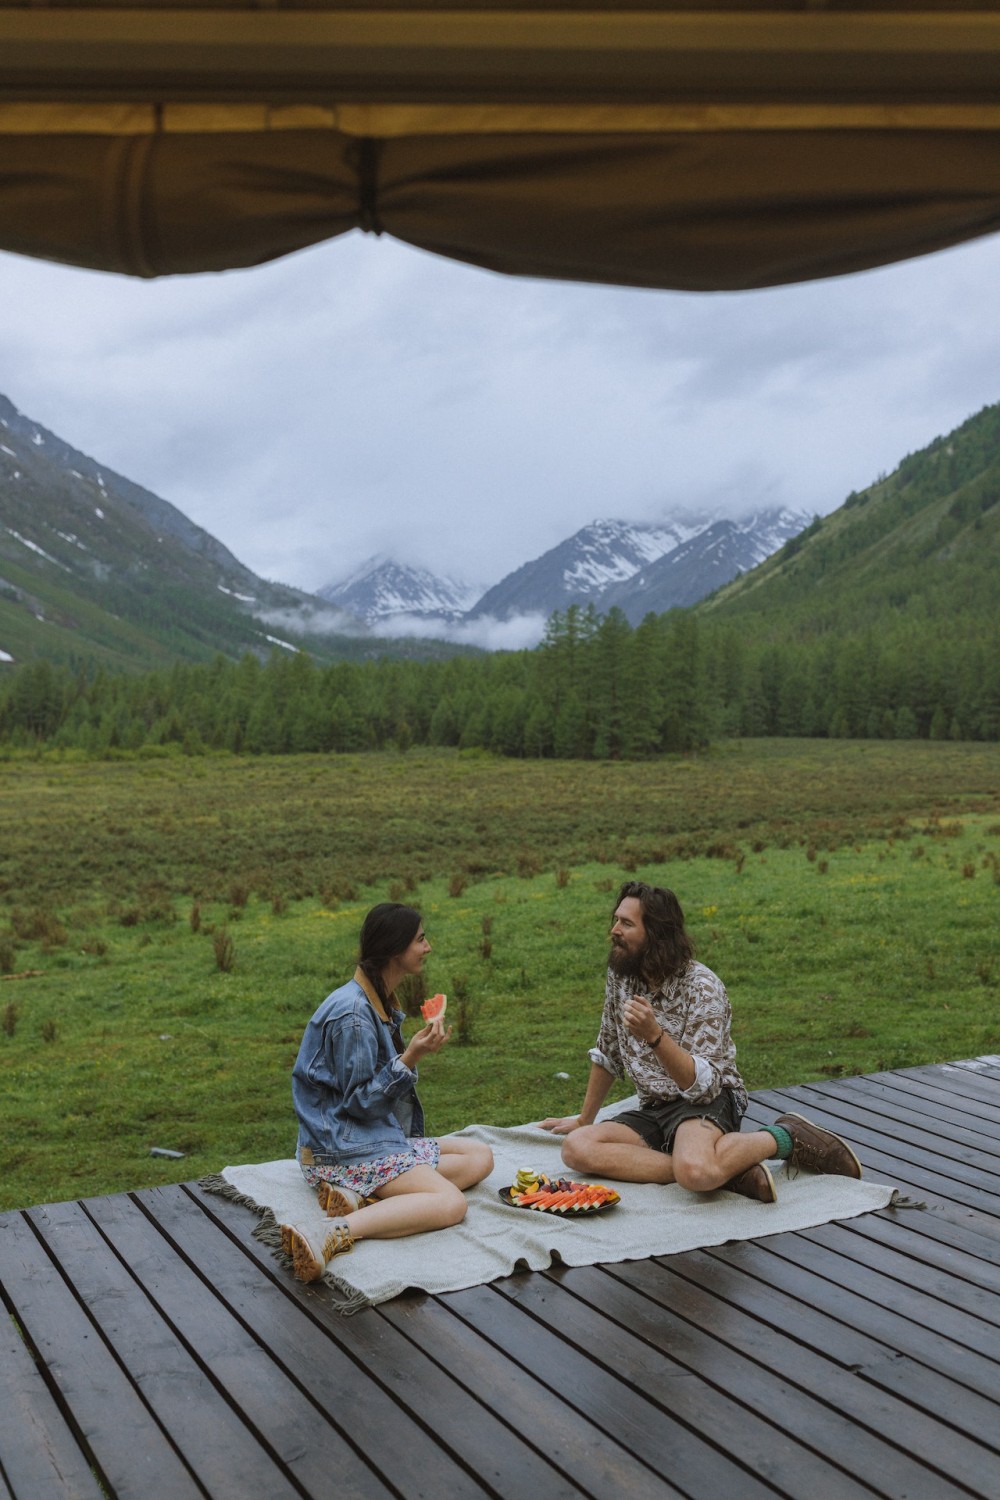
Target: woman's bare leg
point(415, 1201)
point(464, 1162)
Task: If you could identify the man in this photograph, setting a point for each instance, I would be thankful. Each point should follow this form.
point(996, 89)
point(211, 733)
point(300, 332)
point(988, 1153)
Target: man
point(666, 1025)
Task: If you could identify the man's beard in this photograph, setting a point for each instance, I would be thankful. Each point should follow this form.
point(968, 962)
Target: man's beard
point(625, 964)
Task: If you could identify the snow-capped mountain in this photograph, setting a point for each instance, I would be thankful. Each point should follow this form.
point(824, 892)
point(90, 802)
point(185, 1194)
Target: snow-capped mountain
point(579, 570)
point(638, 566)
point(382, 590)
point(704, 562)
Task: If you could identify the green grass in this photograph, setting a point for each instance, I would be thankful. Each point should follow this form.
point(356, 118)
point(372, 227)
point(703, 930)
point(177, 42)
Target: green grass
point(847, 896)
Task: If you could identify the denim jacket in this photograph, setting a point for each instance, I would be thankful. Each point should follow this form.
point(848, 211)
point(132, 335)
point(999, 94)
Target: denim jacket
point(348, 1082)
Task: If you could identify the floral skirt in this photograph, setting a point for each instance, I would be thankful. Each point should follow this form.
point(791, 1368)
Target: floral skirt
point(366, 1177)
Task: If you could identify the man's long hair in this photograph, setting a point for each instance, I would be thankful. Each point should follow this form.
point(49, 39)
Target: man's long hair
point(669, 950)
point(387, 931)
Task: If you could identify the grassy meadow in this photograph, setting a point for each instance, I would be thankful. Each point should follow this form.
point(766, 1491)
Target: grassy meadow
point(167, 924)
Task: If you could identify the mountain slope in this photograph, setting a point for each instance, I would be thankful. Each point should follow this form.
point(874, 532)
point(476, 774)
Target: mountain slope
point(923, 543)
point(94, 566)
point(703, 563)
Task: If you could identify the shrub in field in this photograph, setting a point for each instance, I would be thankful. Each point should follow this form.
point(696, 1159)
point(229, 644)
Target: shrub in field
point(50, 1031)
point(6, 956)
point(194, 919)
point(9, 1020)
point(225, 952)
point(456, 885)
point(239, 893)
point(38, 926)
point(464, 1010)
point(562, 879)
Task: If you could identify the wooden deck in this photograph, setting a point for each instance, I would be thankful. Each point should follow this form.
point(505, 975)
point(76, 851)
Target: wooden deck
point(154, 1351)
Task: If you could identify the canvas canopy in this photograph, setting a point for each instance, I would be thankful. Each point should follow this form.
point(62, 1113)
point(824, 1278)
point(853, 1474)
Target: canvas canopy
point(726, 146)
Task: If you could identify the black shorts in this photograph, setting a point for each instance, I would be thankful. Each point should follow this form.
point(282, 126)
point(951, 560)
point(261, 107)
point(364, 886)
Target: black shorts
point(657, 1123)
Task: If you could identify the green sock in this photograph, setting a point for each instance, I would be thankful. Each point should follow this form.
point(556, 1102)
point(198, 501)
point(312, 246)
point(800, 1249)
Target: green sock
point(783, 1139)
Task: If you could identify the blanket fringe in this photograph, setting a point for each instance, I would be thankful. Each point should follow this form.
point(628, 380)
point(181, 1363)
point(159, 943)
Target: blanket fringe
point(216, 1183)
point(353, 1300)
point(898, 1201)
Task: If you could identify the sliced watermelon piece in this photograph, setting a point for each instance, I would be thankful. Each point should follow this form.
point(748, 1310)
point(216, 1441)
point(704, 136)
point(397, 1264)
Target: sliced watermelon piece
point(434, 1007)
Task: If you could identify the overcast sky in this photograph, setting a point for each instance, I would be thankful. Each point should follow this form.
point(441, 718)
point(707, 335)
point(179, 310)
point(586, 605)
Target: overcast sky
point(363, 397)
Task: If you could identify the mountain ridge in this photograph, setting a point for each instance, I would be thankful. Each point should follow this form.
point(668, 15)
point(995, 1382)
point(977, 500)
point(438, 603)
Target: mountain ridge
point(94, 566)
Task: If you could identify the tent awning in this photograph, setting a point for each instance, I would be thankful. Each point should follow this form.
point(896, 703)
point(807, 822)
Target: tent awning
point(728, 147)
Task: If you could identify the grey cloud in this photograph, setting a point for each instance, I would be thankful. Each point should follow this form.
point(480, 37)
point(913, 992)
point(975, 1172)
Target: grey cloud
point(362, 397)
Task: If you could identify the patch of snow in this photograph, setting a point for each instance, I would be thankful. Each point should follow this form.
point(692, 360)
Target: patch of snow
point(5, 449)
point(276, 642)
point(5, 655)
point(68, 536)
point(98, 512)
point(37, 439)
point(243, 598)
point(34, 547)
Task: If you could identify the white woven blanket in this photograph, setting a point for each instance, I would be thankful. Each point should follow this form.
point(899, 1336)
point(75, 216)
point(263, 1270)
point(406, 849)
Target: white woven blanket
point(494, 1239)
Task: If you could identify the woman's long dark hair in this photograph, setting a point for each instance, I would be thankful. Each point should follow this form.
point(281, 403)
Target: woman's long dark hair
point(387, 931)
point(669, 949)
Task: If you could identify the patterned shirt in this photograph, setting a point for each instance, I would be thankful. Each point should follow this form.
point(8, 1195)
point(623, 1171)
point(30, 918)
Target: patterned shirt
point(694, 1011)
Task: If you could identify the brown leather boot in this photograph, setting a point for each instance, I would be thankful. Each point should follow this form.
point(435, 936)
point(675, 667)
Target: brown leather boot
point(756, 1182)
point(817, 1149)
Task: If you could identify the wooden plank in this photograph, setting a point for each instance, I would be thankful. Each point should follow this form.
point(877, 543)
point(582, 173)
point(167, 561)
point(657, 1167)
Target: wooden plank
point(885, 1160)
point(947, 1245)
point(295, 1432)
point(903, 1269)
point(963, 1082)
point(895, 1117)
point(379, 1371)
point(920, 1109)
point(115, 1428)
point(891, 1347)
point(966, 1137)
point(593, 1460)
point(39, 1454)
point(504, 1459)
point(898, 1450)
point(219, 1449)
point(981, 1171)
point(539, 1339)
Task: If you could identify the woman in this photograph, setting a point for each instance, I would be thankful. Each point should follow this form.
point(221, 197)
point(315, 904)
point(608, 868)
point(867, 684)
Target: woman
point(361, 1141)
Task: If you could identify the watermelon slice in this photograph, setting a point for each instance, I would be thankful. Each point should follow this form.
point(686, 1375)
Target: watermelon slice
point(434, 1007)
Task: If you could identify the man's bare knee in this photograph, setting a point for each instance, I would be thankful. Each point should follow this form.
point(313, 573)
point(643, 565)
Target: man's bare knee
point(697, 1176)
point(577, 1149)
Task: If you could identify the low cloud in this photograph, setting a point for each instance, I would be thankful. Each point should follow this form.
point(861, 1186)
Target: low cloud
point(486, 632)
point(313, 622)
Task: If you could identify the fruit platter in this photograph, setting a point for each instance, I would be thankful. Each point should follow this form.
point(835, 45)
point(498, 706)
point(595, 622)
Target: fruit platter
point(557, 1195)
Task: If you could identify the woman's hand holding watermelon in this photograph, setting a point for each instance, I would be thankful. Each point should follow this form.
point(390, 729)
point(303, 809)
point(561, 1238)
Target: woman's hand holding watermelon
point(430, 1038)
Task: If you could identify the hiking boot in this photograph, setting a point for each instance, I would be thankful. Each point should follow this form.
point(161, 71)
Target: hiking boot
point(756, 1182)
point(818, 1149)
point(312, 1246)
point(338, 1202)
